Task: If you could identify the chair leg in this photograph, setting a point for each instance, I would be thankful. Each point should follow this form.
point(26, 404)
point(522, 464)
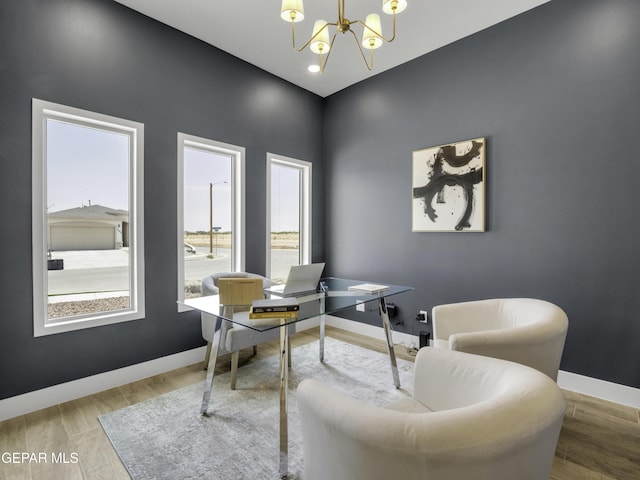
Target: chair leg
point(207, 355)
point(235, 356)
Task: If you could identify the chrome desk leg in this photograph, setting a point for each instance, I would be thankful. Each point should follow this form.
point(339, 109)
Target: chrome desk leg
point(215, 348)
point(322, 307)
point(387, 331)
point(284, 381)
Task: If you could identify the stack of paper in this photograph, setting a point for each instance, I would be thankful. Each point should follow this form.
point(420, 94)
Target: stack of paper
point(368, 288)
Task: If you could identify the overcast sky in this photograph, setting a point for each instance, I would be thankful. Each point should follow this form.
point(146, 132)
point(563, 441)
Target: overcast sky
point(87, 166)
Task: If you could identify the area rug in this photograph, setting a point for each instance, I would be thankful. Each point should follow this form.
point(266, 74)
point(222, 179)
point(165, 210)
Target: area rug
point(165, 437)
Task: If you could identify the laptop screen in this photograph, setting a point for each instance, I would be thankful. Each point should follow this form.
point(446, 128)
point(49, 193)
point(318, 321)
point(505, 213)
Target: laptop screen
point(301, 278)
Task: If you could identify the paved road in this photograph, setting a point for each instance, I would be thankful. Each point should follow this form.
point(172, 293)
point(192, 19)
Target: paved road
point(88, 280)
point(199, 266)
point(108, 270)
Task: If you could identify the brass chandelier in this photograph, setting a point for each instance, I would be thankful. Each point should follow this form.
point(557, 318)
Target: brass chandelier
point(372, 38)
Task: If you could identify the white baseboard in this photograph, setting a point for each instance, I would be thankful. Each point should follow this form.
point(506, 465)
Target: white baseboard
point(593, 387)
point(371, 331)
point(612, 392)
point(47, 397)
point(65, 392)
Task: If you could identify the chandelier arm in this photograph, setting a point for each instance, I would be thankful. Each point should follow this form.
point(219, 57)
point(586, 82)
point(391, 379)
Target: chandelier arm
point(378, 34)
point(364, 58)
point(343, 25)
point(293, 36)
point(326, 59)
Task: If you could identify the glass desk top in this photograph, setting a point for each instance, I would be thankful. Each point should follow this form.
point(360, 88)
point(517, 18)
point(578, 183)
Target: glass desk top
point(335, 297)
point(332, 296)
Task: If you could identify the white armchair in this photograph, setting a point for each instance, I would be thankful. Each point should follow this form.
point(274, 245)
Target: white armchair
point(523, 330)
point(470, 418)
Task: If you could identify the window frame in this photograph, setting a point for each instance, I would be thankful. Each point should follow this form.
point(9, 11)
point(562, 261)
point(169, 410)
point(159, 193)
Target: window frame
point(41, 112)
point(305, 169)
point(237, 154)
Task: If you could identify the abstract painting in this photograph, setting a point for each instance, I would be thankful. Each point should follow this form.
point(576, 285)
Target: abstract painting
point(449, 187)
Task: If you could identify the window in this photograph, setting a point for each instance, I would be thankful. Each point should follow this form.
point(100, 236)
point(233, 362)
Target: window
point(88, 257)
point(210, 211)
point(288, 215)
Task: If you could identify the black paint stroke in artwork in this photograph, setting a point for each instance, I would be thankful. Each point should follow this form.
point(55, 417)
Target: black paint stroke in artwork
point(438, 180)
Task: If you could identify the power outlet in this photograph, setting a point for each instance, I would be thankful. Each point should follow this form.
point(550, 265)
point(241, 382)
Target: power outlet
point(425, 315)
point(360, 307)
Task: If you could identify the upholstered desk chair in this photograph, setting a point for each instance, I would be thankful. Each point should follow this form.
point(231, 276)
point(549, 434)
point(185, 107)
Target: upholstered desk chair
point(470, 418)
point(523, 330)
point(236, 294)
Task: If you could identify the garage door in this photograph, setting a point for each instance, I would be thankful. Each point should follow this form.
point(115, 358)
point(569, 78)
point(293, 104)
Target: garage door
point(82, 238)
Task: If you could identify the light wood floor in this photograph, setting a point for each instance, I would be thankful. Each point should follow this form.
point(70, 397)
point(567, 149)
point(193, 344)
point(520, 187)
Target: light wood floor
point(599, 440)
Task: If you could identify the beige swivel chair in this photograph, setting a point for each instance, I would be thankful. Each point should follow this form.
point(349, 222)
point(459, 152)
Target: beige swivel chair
point(470, 418)
point(523, 330)
point(209, 286)
point(236, 296)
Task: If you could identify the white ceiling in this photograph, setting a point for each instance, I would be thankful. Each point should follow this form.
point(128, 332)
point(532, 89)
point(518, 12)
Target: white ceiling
point(253, 31)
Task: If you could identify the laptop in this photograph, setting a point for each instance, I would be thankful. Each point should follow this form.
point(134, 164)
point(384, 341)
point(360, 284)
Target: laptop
point(301, 279)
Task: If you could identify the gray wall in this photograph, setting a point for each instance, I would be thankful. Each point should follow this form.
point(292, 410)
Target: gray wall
point(555, 93)
point(98, 55)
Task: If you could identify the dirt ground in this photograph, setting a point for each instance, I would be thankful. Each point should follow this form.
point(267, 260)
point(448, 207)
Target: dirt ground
point(278, 240)
point(68, 309)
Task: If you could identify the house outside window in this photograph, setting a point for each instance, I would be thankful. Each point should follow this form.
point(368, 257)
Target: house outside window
point(88, 250)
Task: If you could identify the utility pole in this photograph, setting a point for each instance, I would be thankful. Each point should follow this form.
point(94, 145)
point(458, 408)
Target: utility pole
point(210, 218)
point(211, 184)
